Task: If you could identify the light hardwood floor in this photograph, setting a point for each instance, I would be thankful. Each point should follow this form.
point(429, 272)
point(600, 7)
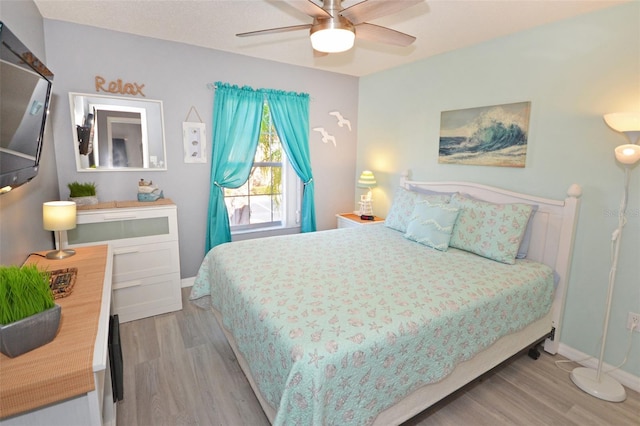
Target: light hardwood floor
point(179, 370)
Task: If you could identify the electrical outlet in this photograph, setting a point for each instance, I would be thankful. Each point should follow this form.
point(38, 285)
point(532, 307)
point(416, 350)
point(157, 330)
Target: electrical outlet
point(632, 319)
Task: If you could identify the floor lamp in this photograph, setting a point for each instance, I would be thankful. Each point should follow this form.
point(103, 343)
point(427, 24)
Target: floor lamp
point(596, 382)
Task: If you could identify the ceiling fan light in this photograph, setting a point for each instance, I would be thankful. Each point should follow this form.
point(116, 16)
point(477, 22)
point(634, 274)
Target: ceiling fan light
point(333, 40)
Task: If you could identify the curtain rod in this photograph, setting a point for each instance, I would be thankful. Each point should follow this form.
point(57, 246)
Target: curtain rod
point(212, 86)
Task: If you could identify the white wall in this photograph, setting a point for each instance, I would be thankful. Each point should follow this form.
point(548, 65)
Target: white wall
point(21, 229)
point(178, 75)
point(573, 72)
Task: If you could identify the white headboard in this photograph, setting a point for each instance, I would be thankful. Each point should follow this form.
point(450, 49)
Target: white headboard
point(554, 226)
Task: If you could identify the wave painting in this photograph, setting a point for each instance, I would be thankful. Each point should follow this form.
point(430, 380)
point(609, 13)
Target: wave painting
point(485, 136)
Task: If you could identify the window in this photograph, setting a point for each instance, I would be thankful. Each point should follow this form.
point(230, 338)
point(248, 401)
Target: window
point(271, 196)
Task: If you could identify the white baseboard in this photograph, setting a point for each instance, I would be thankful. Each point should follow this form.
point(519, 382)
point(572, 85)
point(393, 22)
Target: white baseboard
point(626, 379)
point(187, 282)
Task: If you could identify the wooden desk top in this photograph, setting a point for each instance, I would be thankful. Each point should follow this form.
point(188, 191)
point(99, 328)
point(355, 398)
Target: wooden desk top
point(64, 367)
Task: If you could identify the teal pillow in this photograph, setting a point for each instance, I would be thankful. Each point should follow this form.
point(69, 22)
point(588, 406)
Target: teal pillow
point(402, 207)
point(490, 230)
point(432, 224)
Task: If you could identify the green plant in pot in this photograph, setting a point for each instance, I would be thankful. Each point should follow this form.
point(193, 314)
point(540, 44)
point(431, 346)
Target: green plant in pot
point(29, 317)
point(83, 194)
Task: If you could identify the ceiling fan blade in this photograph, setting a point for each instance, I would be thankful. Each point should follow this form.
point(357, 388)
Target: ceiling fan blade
point(372, 9)
point(275, 30)
point(371, 32)
point(310, 8)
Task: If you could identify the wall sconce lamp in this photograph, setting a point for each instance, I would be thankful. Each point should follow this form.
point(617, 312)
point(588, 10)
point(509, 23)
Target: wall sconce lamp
point(595, 382)
point(366, 180)
point(59, 216)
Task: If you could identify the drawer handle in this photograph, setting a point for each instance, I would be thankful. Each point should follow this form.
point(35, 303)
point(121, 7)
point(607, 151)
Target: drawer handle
point(126, 251)
point(126, 285)
point(118, 217)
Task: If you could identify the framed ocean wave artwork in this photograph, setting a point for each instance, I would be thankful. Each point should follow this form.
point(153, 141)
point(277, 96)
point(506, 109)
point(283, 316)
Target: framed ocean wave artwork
point(485, 136)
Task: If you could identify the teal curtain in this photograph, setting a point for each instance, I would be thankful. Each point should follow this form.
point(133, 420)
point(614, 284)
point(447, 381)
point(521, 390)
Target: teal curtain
point(237, 113)
point(290, 115)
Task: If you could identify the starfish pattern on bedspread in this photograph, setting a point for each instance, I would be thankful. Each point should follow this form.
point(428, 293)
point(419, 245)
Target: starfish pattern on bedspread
point(337, 333)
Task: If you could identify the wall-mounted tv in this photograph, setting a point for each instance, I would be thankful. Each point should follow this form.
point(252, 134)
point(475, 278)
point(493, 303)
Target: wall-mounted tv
point(25, 91)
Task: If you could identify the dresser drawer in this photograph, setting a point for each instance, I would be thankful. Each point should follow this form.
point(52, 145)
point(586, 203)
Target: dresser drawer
point(143, 225)
point(146, 297)
point(134, 262)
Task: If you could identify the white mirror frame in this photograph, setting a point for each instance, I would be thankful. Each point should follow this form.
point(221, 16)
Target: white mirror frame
point(155, 160)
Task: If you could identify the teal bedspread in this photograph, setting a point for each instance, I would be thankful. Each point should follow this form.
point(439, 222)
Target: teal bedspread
point(338, 325)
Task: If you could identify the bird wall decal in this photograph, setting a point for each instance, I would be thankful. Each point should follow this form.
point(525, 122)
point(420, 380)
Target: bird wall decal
point(341, 120)
point(326, 137)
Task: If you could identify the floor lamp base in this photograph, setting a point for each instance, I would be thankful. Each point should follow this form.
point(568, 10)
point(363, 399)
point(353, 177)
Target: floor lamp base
point(607, 388)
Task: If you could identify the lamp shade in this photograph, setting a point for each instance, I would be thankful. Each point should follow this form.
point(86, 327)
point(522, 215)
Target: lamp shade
point(332, 35)
point(332, 40)
point(628, 154)
point(367, 180)
point(625, 122)
point(59, 215)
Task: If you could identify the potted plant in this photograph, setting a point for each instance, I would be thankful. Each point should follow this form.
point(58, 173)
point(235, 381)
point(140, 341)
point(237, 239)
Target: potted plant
point(83, 194)
point(29, 318)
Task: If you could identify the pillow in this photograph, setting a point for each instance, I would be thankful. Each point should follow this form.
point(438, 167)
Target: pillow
point(426, 191)
point(432, 224)
point(490, 230)
point(402, 207)
point(523, 250)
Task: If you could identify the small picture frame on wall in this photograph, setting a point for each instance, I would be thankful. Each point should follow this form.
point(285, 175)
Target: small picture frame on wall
point(194, 142)
point(485, 136)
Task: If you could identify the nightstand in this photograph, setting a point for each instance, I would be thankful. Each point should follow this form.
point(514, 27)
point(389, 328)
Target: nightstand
point(350, 220)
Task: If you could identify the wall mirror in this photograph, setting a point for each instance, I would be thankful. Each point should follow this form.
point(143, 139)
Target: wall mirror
point(117, 134)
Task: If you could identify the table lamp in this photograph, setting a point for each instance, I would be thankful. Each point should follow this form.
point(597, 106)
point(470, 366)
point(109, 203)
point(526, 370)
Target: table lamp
point(366, 180)
point(59, 216)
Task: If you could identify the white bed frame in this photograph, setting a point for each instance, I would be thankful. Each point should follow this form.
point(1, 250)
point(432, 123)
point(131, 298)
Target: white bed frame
point(554, 225)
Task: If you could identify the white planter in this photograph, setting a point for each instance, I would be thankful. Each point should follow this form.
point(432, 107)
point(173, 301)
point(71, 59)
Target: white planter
point(85, 201)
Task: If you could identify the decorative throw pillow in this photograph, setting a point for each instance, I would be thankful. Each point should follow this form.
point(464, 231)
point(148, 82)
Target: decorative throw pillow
point(432, 224)
point(402, 207)
point(490, 230)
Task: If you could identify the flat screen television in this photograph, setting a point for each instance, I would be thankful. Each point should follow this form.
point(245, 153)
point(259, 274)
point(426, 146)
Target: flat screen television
point(25, 91)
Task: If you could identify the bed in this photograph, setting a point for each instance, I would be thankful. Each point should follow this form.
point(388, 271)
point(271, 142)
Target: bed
point(372, 325)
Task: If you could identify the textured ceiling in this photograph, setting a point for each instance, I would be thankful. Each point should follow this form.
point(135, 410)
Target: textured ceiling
point(439, 25)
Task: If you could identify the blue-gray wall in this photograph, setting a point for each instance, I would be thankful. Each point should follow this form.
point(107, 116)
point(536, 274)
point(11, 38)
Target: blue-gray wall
point(178, 75)
point(573, 72)
point(21, 229)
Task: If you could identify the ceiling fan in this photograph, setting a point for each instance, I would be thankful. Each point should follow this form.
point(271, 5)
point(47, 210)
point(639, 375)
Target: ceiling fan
point(334, 28)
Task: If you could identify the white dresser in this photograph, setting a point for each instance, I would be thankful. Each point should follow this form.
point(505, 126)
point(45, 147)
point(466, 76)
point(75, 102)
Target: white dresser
point(146, 258)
